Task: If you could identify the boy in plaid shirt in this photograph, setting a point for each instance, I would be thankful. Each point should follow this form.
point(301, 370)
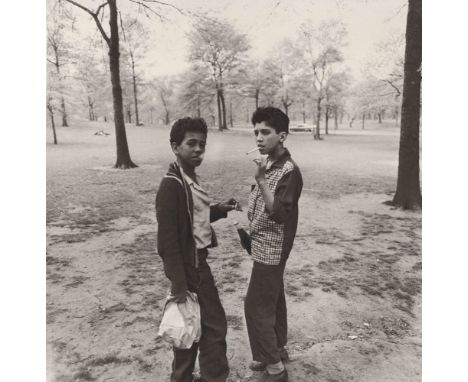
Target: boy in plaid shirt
point(273, 216)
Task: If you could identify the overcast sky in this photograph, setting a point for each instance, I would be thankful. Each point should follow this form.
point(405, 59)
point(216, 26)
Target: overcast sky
point(267, 22)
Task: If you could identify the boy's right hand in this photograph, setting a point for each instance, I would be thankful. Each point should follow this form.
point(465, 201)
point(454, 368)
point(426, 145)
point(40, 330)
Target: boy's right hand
point(179, 298)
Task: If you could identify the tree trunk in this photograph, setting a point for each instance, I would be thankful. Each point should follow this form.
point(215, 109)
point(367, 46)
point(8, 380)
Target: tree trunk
point(303, 112)
point(230, 114)
point(64, 113)
point(380, 117)
point(223, 110)
point(129, 113)
point(218, 99)
point(123, 155)
point(363, 120)
point(91, 109)
point(286, 108)
point(327, 116)
point(408, 192)
point(257, 96)
point(52, 122)
point(319, 115)
point(167, 120)
point(135, 97)
point(335, 117)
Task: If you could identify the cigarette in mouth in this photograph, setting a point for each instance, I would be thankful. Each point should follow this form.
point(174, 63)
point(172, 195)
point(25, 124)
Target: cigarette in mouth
point(251, 151)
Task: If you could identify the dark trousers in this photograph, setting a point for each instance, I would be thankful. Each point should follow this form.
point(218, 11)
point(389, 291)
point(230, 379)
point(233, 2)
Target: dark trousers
point(212, 346)
point(265, 312)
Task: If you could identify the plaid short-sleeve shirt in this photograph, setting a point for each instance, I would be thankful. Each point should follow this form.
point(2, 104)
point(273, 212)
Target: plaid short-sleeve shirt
point(273, 233)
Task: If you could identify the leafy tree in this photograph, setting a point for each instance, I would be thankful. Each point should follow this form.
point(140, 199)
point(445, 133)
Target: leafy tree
point(258, 81)
point(385, 68)
point(321, 51)
point(165, 88)
point(335, 90)
point(408, 192)
point(91, 75)
point(196, 92)
point(135, 35)
point(58, 51)
point(219, 49)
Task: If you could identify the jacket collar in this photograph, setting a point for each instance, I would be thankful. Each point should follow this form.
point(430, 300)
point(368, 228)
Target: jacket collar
point(278, 163)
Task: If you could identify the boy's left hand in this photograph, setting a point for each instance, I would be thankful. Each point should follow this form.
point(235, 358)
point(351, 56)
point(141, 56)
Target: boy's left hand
point(228, 205)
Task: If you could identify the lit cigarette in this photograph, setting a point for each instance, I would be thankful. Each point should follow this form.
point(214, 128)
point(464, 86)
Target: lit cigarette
point(251, 151)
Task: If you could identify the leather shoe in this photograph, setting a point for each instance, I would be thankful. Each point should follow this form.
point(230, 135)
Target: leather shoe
point(260, 366)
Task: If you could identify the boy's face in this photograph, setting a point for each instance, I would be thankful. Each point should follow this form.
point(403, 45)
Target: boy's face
point(268, 140)
point(191, 150)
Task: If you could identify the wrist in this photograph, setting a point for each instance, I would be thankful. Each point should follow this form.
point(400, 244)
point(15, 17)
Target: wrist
point(261, 182)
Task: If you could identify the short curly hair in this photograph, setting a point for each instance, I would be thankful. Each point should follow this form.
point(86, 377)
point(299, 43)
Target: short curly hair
point(273, 117)
point(184, 125)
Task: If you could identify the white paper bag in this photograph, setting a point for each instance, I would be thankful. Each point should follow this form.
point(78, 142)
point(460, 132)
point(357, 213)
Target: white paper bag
point(180, 324)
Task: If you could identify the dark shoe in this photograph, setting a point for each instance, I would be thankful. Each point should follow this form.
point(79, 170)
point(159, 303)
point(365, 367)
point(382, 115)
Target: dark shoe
point(281, 377)
point(196, 378)
point(260, 366)
point(257, 366)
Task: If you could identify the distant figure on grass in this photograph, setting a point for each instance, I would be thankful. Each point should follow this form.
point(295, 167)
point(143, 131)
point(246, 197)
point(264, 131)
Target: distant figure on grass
point(184, 212)
point(273, 215)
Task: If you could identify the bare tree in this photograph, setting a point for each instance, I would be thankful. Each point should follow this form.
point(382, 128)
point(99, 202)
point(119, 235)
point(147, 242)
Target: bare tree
point(123, 155)
point(408, 192)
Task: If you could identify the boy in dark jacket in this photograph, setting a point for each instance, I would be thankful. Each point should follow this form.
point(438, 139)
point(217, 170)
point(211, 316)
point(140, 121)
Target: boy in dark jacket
point(184, 212)
point(273, 216)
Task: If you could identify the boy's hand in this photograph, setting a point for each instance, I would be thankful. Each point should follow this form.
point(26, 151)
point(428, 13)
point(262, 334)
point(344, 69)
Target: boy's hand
point(179, 298)
point(228, 205)
point(260, 170)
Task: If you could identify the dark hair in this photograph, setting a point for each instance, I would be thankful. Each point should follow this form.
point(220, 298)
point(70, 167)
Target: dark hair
point(184, 125)
point(273, 117)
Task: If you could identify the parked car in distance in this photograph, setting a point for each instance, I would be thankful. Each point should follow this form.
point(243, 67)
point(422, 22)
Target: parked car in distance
point(301, 127)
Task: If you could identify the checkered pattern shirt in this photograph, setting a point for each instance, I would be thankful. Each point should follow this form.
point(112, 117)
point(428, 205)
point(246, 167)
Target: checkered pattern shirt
point(273, 233)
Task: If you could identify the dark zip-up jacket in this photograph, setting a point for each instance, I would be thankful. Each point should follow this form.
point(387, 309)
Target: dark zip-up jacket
point(176, 243)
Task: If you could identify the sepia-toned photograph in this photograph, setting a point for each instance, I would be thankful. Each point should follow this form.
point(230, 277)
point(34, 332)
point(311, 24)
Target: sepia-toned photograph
point(233, 190)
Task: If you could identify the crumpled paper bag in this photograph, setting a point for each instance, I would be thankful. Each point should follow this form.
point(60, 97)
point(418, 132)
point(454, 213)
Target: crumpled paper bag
point(181, 323)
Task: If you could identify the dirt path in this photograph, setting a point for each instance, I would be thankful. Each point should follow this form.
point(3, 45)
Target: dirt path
point(353, 280)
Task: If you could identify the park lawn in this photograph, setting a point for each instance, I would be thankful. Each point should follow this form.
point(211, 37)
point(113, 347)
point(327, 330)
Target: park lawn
point(353, 280)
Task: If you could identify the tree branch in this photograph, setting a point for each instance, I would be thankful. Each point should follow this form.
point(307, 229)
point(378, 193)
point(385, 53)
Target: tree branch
point(94, 15)
point(165, 4)
point(146, 7)
point(100, 7)
point(393, 86)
